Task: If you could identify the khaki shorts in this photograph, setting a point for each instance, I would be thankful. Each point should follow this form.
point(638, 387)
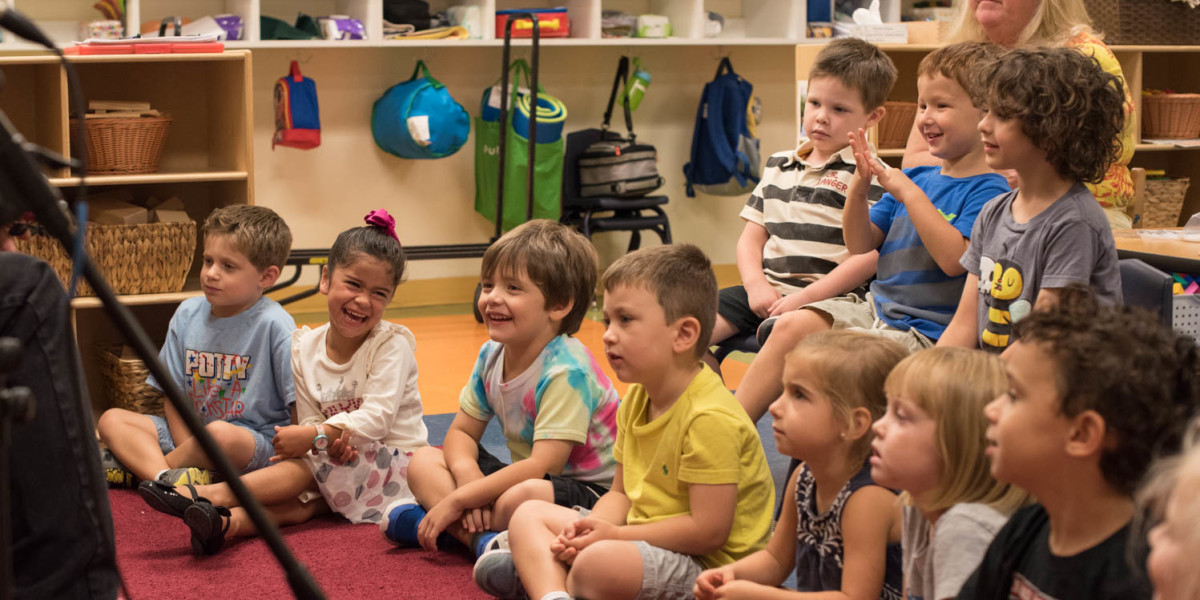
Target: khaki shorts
point(852, 312)
point(667, 575)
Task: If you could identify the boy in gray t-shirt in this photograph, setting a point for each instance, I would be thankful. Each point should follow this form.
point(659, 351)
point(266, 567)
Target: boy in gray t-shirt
point(1049, 232)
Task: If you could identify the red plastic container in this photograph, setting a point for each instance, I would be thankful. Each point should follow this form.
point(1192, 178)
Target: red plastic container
point(550, 24)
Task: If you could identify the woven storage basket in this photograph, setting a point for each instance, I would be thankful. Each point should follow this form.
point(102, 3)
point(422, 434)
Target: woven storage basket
point(896, 124)
point(1164, 201)
point(135, 259)
point(1145, 21)
point(125, 382)
point(1171, 116)
point(125, 145)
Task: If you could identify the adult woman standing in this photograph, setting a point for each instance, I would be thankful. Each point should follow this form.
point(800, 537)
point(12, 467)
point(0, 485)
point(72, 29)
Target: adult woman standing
point(1031, 23)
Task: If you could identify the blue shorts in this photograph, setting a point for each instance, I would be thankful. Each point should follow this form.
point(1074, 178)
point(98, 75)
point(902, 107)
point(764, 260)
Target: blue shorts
point(263, 449)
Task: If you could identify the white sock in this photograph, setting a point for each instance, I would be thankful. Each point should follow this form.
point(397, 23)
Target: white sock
point(159, 475)
point(556, 596)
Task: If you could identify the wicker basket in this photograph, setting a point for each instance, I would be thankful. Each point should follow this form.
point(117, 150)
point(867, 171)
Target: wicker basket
point(125, 381)
point(135, 259)
point(1145, 21)
point(1171, 116)
point(896, 124)
point(1164, 201)
point(125, 145)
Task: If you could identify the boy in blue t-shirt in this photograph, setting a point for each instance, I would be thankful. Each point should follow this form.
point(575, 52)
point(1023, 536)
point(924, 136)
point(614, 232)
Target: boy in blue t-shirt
point(230, 353)
point(921, 227)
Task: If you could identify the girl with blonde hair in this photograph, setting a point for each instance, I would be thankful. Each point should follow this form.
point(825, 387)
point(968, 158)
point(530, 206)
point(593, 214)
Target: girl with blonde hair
point(930, 443)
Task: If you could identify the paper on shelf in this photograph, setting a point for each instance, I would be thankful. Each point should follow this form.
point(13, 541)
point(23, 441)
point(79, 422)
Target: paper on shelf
point(178, 39)
point(1193, 143)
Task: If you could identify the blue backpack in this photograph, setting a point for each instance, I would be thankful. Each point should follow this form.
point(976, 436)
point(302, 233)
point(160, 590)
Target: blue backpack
point(419, 119)
point(725, 159)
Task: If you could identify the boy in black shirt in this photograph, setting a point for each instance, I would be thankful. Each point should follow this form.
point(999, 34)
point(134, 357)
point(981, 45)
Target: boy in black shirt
point(1093, 396)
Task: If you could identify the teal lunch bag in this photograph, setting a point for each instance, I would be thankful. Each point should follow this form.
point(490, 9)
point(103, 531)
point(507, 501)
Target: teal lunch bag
point(419, 119)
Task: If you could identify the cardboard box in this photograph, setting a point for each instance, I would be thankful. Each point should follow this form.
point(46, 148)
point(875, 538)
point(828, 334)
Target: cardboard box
point(109, 211)
point(927, 32)
point(170, 216)
point(172, 203)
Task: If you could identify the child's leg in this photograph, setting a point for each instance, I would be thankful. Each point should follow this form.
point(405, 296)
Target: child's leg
point(429, 477)
point(274, 485)
point(532, 527)
point(134, 440)
point(290, 512)
point(507, 503)
point(618, 569)
point(761, 384)
point(239, 443)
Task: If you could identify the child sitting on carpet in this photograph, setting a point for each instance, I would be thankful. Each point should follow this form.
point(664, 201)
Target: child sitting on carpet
point(931, 444)
point(692, 485)
point(839, 530)
point(554, 403)
point(227, 351)
point(356, 384)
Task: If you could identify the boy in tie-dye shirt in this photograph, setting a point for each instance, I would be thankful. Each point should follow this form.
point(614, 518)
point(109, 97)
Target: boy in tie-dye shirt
point(555, 405)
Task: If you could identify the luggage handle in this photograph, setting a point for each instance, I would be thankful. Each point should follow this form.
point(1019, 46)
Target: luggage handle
point(618, 81)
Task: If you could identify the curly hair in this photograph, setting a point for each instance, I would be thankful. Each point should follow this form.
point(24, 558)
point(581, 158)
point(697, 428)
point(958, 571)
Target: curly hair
point(1067, 105)
point(1142, 378)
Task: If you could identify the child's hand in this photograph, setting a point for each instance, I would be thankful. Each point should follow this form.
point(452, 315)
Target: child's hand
point(709, 581)
point(740, 588)
point(341, 452)
point(761, 298)
point(291, 441)
point(789, 303)
point(865, 166)
point(585, 531)
point(436, 521)
point(477, 519)
point(561, 551)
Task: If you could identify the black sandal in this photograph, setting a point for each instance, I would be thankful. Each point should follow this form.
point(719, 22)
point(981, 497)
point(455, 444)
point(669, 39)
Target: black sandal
point(208, 531)
point(166, 499)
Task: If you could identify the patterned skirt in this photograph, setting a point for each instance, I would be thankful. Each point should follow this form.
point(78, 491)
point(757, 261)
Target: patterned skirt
point(360, 490)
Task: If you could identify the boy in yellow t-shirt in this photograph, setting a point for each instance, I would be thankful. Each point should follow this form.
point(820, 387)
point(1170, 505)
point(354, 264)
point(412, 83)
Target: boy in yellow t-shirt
point(692, 489)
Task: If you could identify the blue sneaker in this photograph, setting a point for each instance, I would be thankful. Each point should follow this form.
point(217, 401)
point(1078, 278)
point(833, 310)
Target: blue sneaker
point(400, 525)
point(489, 540)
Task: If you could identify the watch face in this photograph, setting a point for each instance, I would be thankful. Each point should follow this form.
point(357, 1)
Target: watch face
point(321, 442)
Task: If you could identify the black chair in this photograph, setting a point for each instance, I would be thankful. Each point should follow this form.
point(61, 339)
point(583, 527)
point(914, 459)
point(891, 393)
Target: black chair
point(600, 214)
point(1146, 287)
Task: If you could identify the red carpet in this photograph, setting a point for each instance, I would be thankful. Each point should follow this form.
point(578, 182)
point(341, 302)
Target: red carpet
point(348, 561)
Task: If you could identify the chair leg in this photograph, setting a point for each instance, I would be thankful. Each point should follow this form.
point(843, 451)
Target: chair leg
point(635, 241)
point(664, 232)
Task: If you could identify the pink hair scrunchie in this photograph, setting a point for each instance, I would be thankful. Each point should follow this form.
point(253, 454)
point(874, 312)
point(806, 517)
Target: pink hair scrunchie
point(381, 219)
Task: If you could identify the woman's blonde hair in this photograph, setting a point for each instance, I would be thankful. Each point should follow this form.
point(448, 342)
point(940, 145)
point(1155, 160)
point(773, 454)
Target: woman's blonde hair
point(1165, 476)
point(849, 368)
point(952, 385)
point(1053, 23)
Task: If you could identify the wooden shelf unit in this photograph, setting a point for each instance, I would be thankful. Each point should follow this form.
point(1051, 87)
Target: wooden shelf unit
point(780, 22)
point(1145, 67)
point(207, 160)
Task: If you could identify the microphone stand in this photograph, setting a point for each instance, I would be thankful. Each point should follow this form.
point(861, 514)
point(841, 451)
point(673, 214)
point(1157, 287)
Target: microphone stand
point(21, 179)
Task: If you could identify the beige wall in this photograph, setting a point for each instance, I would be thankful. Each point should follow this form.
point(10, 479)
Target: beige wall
point(320, 192)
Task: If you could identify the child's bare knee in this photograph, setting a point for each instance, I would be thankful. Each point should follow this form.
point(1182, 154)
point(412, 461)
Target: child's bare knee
point(605, 569)
point(530, 514)
point(517, 495)
point(228, 435)
point(117, 422)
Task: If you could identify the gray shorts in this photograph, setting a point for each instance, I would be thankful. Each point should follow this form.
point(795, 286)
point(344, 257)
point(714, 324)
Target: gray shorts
point(667, 575)
point(852, 312)
point(263, 449)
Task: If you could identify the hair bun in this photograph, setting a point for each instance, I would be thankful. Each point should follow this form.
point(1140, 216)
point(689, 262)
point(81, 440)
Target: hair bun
point(381, 219)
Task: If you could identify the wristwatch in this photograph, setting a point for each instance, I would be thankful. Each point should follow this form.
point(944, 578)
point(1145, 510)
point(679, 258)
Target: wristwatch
point(321, 442)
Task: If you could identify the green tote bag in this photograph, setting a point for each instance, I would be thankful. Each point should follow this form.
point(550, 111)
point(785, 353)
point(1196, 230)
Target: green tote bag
point(547, 169)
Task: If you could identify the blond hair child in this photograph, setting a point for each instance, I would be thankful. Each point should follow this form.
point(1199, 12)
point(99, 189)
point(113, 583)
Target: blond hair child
point(930, 444)
point(1175, 541)
point(227, 350)
point(843, 533)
